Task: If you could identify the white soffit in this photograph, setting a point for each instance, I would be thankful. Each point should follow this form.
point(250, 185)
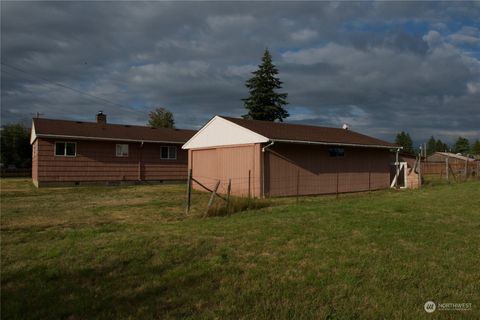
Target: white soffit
point(33, 135)
point(221, 132)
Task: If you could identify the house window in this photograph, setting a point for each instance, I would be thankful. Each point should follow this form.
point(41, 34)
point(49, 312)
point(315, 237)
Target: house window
point(66, 149)
point(336, 152)
point(122, 150)
point(168, 152)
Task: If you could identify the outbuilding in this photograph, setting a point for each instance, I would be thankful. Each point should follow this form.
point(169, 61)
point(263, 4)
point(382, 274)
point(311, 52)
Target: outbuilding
point(76, 152)
point(261, 158)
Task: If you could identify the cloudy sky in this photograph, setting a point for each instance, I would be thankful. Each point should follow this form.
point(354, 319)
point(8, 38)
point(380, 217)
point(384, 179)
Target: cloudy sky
point(382, 67)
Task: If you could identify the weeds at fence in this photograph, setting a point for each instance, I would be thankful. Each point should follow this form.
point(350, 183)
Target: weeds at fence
point(237, 205)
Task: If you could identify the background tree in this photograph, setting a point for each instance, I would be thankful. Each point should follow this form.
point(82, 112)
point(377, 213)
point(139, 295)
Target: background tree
point(15, 149)
point(403, 139)
point(476, 147)
point(431, 145)
point(462, 145)
point(441, 146)
point(264, 102)
point(161, 118)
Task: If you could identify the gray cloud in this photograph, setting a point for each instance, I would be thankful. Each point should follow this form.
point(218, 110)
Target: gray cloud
point(380, 66)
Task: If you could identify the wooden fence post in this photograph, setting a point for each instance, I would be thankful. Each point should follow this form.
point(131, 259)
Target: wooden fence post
point(446, 168)
point(466, 169)
point(337, 180)
point(249, 182)
point(189, 191)
point(228, 194)
point(298, 183)
point(419, 172)
point(369, 179)
point(214, 192)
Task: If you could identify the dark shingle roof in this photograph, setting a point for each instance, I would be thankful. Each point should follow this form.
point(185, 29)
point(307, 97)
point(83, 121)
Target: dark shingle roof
point(306, 133)
point(93, 130)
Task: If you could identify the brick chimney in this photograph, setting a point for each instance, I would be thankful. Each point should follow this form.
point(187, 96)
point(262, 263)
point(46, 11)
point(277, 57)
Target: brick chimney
point(101, 118)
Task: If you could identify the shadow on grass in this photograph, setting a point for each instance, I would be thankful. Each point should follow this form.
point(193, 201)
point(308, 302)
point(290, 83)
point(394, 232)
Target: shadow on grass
point(124, 288)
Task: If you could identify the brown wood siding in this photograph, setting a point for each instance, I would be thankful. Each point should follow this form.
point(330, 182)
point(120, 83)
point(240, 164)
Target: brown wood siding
point(359, 170)
point(224, 163)
point(96, 161)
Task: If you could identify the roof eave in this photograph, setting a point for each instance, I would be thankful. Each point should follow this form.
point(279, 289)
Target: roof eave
point(337, 144)
point(105, 139)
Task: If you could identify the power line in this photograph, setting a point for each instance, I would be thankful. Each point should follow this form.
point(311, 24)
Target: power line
point(65, 86)
point(46, 85)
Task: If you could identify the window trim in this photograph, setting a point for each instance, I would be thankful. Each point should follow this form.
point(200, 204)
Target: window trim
point(64, 150)
point(121, 155)
point(168, 148)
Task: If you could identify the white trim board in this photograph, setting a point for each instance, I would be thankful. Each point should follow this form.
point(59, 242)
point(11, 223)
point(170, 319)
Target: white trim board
point(221, 132)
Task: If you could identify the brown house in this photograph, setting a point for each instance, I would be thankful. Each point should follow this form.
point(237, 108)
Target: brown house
point(277, 159)
point(75, 152)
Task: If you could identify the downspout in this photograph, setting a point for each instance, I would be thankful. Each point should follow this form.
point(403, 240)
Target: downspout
point(263, 166)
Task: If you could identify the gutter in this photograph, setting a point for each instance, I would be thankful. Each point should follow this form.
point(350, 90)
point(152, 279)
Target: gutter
point(101, 138)
point(335, 144)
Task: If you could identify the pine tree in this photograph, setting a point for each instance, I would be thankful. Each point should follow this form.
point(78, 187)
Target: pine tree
point(431, 146)
point(462, 145)
point(161, 118)
point(441, 146)
point(264, 102)
point(403, 139)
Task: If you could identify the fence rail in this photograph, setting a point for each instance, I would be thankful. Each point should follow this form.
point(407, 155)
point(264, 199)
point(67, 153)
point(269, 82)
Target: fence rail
point(444, 169)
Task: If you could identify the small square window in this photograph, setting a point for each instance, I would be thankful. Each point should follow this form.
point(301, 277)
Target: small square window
point(70, 149)
point(122, 150)
point(59, 148)
point(168, 152)
point(172, 152)
point(336, 152)
point(66, 149)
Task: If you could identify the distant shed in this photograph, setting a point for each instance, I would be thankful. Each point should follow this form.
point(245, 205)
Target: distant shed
point(453, 158)
point(263, 158)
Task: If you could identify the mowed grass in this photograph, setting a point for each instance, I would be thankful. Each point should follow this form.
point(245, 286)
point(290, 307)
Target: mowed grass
point(131, 253)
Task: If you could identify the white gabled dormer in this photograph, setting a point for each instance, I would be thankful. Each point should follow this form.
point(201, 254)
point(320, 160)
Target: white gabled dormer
point(221, 132)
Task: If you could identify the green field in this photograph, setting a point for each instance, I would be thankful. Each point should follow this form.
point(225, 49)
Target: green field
point(130, 252)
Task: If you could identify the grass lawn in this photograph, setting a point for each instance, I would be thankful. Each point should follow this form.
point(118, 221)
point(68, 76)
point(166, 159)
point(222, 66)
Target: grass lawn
point(129, 252)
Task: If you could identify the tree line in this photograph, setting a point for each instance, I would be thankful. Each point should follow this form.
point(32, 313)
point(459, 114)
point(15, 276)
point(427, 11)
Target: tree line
point(461, 145)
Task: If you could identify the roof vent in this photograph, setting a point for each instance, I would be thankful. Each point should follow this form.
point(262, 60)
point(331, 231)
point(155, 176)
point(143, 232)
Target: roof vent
point(101, 117)
point(345, 126)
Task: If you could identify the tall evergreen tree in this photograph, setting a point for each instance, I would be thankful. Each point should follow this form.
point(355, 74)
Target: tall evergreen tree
point(161, 118)
point(462, 145)
point(403, 139)
point(441, 146)
point(264, 102)
point(431, 145)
